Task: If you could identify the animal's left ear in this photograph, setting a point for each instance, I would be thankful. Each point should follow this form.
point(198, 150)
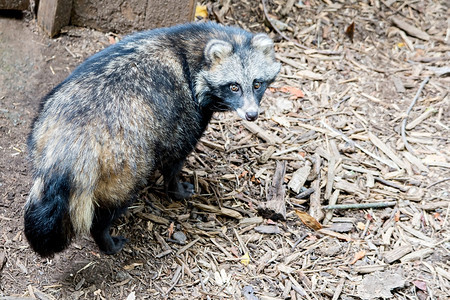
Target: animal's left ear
point(264, 43)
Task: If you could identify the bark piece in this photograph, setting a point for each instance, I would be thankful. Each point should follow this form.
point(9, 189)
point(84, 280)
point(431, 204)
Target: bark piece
point(397, 253)
point(299, 178)
point(410, 29)
point(275, 207)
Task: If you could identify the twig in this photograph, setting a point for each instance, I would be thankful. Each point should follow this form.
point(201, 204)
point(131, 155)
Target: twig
point(361, 205)
point(391, 184)
point(315, 205)
point(187, 246)
point(403, 129)
point(176, 277)
point(437, 182)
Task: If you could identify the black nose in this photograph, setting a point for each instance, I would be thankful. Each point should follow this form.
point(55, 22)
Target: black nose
point(251, 115)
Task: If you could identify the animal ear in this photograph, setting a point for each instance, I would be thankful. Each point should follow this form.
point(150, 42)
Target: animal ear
point(216, 50)
point(264, 43)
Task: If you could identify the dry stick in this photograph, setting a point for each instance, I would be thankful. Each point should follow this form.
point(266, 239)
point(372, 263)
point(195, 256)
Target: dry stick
point(361, 205)
point(325, 52)
point(437, 182)
point(391, 184)
point(403, 129)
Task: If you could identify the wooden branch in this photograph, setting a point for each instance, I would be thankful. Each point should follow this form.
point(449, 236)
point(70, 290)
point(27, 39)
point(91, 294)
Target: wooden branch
point(403, 128)
point(361, 205)
point(315, 205)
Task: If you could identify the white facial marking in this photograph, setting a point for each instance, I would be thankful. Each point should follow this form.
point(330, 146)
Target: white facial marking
point(249, 106)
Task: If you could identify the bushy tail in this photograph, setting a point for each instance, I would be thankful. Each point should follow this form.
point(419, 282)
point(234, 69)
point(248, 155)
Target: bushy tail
point(48, 227)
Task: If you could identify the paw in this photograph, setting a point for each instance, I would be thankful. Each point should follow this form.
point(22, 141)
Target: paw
point(117, 244)
point(183, 190)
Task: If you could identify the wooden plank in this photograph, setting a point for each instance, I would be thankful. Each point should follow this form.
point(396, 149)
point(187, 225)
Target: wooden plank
point(53, 15)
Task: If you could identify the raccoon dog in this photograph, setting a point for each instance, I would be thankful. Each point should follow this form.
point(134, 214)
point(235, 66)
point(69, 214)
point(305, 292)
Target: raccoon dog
point(136, 106)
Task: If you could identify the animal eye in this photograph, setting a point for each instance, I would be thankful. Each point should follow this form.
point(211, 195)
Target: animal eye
point(234, 87)
point(256, 85)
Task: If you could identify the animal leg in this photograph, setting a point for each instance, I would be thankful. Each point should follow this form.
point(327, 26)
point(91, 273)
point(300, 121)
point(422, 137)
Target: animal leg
point(103, 219)
point(174, 188)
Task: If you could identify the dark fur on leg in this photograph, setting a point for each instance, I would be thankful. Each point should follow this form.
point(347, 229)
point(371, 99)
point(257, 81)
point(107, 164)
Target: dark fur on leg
point(100, 230)
point(173, 186)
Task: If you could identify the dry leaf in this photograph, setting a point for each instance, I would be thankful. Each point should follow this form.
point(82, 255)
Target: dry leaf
point(358, 256)
point(243, 174)
point(350, 31)
point(170, 229)
point(245, 259)
point(397, 216)
point(308, 220)
point(295, 92)
point(201, 12)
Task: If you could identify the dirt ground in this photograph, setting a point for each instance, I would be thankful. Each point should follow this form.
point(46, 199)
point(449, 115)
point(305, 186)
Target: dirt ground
point(334, 117)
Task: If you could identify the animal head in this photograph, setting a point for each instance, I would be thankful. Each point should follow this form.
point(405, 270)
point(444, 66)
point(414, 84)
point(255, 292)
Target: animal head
point(237, 73)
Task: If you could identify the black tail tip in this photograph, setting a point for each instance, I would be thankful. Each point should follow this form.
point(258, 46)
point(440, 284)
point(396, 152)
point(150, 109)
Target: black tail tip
point(46, 232)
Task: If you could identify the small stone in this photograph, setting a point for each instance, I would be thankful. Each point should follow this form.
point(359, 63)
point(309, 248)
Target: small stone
point(180, 237)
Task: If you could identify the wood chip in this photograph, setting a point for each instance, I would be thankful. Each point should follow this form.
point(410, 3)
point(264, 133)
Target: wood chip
point(340, 236)
point(388, 151)
point(263, 134)
point(251, 221)
point(182, 250)
point(416, 233)
point(369, 268)
point(309, 75)
point(397, 253)
point(415, 161)
point(417, 255)
point(218, 210)
point(410, 29)
point(267, 229)
point(299, 178)
point(428, 112)
point(153, 218)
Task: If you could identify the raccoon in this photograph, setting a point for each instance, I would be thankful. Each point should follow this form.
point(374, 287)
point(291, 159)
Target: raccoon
point(137, 106)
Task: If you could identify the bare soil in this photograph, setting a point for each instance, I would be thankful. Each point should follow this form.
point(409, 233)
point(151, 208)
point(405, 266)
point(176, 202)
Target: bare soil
point(334, 116)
